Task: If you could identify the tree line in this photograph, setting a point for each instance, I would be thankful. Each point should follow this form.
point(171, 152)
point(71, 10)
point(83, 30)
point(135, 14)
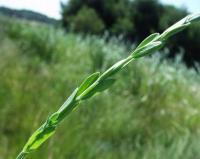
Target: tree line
point(132, 19)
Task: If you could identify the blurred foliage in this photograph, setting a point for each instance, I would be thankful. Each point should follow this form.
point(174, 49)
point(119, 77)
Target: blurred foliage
point(134, 20)
point(111, 13)
point(146, 15)
point(87, 21)
point(151, 112)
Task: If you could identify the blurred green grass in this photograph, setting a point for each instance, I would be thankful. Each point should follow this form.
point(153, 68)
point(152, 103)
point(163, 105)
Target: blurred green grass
point(152, 112)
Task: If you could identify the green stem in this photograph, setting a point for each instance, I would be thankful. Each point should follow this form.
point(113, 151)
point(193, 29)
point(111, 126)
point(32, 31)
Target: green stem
point(22, 155)
point(149, 45)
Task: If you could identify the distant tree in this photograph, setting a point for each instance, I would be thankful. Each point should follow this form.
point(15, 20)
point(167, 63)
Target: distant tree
point(28, 15)
point(171, 15)
point(191, 44)
point(134, 19)
point(111, 12)
point(146, 15)
point(69, 9)
point(86, 20)
point(123, 26)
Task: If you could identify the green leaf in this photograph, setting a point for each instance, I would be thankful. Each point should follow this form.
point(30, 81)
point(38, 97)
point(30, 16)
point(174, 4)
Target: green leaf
point(53, 119)
point(105, 84)
point(149, 39)
point(101, 86)
point(68, 106)
point(39, 137)
point(48, 128)
point(68, 101)
point(147, 49)
point(87, 82)
point(115, 68)
point(173, 30)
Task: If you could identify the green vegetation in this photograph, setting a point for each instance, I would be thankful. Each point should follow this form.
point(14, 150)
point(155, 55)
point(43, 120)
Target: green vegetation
point(151, 112)
point(87, 21)
point(131, 20)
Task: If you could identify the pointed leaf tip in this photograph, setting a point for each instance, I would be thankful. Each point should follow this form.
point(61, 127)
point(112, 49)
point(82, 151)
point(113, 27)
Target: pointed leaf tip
point(193, 17)
point(87, 82)
point(149, 39)
point(147, 49)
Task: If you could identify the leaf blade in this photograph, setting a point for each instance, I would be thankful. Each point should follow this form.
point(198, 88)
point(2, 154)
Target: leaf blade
point(148, 49)
point(100, 87)
point(149, 39)
point(87, 82)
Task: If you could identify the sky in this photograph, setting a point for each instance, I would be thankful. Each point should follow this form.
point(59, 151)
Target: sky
point(193, 6)
point(51, 8)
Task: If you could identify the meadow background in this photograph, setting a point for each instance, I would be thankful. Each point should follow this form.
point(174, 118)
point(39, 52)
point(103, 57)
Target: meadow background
point(151, 112)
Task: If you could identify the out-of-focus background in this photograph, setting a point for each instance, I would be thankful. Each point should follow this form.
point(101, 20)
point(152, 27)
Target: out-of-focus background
point(48, 47)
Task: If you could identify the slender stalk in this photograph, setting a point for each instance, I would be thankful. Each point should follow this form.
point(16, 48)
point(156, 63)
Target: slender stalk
point(99, 82)
point(21, 155)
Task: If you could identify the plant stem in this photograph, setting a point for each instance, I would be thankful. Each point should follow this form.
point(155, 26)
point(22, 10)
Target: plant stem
point(149, 45)
point(22, 155)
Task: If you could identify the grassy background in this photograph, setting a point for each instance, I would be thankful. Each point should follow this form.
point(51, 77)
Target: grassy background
point(152, 112)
